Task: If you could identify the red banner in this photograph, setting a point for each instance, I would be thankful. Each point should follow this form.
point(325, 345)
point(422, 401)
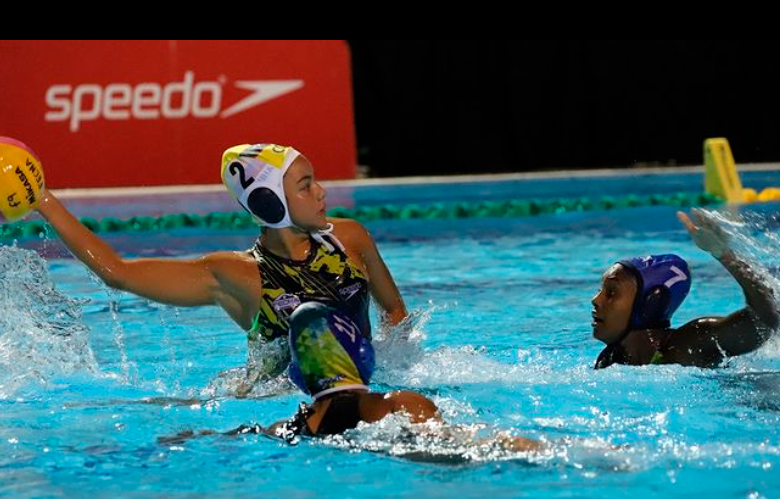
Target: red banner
point(160, 112)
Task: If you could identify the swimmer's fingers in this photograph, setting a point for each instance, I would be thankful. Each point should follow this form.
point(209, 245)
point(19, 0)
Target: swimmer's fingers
point(183, 436)
point(708, 222)
point(687, 222)
point(702, 222)
point(706, 232)
point(705, 220)
point(701, 236)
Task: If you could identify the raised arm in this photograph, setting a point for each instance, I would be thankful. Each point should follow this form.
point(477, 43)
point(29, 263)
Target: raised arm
point(227, 279)
point(744, 330)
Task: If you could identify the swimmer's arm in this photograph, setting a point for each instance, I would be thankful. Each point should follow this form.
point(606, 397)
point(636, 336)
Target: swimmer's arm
point(186, 435)
point(514, 443)
point(421, 409)
point(209, 280)
point(85, 245)
point(212, 279)
point(380, 282)
point(707, 340)
point(744, 330)
point(710, 237)
point(759, 295)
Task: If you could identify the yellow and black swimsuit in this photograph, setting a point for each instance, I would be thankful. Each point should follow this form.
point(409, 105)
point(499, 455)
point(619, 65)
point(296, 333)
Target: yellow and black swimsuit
point(327, 277)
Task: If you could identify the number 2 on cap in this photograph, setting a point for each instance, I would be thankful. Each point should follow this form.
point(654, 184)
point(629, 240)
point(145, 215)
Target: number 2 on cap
point(238, 169)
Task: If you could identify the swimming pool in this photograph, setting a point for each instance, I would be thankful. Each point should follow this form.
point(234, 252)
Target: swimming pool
point(502, 337)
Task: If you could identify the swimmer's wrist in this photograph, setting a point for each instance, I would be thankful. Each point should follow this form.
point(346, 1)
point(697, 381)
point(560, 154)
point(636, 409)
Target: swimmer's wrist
point(723, 255)
point(43, 203)
point(717, 249)
point(47, 202)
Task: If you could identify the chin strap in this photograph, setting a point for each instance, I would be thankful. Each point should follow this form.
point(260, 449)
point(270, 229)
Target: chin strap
point(319, 236)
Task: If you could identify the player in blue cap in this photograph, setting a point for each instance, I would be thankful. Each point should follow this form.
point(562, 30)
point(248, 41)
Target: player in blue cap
point(633, 309)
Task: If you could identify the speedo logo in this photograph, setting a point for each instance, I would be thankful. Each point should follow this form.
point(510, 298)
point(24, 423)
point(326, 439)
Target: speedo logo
point(153, 101)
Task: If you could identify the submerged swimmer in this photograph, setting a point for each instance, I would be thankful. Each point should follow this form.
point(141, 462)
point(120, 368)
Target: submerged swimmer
point(333, 364)
point(633, 308)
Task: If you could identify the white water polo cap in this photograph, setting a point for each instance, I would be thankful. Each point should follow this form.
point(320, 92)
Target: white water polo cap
point(254, 174)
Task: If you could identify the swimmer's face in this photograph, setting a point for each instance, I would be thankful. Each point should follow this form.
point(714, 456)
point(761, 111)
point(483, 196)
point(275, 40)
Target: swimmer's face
point(613, 303)
point(305, 196)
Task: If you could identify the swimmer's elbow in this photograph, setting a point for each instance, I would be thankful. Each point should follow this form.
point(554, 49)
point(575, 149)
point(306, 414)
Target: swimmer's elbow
point(768, 319)
point(762, 306)
point(115, 276)
point(115, 284)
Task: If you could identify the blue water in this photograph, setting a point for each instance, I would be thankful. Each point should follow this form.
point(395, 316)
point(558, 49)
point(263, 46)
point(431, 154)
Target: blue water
point(90, 378)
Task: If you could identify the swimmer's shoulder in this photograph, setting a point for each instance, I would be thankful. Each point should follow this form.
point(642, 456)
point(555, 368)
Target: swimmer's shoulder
point(693, 343)
point(229, 260)
point(355, 237)
point(350, 232)
point(687, 345)
point(239, 286)
point(235, 269)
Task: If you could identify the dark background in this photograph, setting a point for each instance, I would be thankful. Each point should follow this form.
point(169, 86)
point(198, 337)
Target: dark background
point(444, 107)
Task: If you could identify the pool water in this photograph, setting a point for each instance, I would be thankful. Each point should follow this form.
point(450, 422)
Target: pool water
point(500, 340)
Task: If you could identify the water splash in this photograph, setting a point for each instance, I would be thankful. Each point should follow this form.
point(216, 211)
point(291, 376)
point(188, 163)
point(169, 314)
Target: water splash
point(264, 374)
point(445, 443)
point(128, 369)
point(399, 347)
point(41, 331)
point(755, 238)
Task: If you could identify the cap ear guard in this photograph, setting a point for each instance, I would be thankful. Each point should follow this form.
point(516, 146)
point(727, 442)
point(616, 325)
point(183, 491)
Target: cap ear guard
point(663, 282)
point(655, 309)
point(266, 205)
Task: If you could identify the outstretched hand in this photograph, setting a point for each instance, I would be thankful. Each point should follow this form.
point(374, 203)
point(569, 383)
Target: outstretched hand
point(706, 232)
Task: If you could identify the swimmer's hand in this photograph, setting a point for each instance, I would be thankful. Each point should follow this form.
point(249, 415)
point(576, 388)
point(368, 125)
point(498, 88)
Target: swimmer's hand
point(183, 436)
point(706, 233)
